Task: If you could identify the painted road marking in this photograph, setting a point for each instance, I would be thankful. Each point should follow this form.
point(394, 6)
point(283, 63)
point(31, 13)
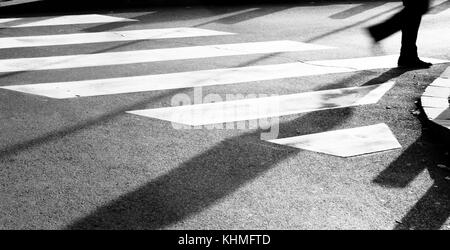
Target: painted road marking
point(434, 102)
point(437, 113)
point(154, 55)
point(98, 37)
point(443, 123)
point(7, 20)
point(201, 78)
point(365, 63)
point(265, 107)
point(434, 91)
point(69, 20)
point(446, 73)
point(16, 2)
point(441, 82)
point(346, 142)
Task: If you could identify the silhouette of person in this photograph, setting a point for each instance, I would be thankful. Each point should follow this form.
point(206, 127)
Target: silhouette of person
point(408, 21)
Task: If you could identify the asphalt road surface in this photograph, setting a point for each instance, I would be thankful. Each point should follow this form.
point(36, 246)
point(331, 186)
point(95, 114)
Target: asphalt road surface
point(90, 137)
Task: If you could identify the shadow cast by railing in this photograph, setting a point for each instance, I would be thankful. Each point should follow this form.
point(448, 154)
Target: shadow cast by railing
point(207, 178)
point(356, 10)
point(318, 37)
point(57, 134)
point(200, 182)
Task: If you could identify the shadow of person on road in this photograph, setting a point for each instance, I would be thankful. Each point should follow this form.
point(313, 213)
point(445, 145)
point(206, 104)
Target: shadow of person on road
point(433, 209)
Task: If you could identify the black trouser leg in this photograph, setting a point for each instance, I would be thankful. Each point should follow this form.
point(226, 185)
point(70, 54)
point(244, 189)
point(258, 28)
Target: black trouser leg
point(412, 14)
point(410, 30)
point(390, 26)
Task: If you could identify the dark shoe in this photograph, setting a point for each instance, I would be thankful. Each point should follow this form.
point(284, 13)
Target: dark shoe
point(413, 63)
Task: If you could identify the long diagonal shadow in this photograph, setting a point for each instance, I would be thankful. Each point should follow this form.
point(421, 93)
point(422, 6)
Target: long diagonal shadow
point(157, 16)
point(247, 15)
point(400, 174)
point(206, 178)
point(351, 25)
point(111, 26)
point(55, 135)
point(198, 183)
point(392, 73)
point(433, 209)
point(163, 15)
point(169, 207)
point(439, 8)
point(92, 122)
point(356, 10)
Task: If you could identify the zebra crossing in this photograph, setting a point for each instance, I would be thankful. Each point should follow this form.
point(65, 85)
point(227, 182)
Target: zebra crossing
point(436, 100)
point(61, 20)
point(145, 56)
point(190, 79)
point(264, 107)
point(359, 141)
point(100, 37)
point(353, 141)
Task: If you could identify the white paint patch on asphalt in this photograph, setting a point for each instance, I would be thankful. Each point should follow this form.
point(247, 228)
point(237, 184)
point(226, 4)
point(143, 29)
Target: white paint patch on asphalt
point(265, 107)
point(154, 55)
point(434, 91)
point(7, 20)
point(434, 102)
point(437, 113)
point(375, 95)
point(366, 63)
point(443, 123)
point(446, 74)
point(99, 37)
point(346, 142)
point(441, 82)
point(72, 89)
point(71, 20)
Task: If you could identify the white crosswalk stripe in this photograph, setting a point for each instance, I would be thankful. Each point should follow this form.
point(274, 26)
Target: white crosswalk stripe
point(7, 20)
point(274, 106)
point(154, 55)
point(357, 140)
point(203, 78)
point(346, 142)
point(5, 3)
point(99, 37)
point(64, 20)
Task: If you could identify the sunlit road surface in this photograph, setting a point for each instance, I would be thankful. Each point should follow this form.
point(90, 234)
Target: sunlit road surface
point(220, 117)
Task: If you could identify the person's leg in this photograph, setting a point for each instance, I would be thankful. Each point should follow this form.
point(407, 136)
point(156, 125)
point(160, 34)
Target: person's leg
point(384, 29)
point(413, 11)
point(410, 31)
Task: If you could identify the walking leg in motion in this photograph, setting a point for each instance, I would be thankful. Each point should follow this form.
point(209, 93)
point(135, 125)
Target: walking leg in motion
point(408, 21)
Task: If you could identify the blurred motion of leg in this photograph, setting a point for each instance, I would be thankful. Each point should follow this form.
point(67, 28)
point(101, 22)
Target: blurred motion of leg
point(413, 10)
point(408, 21)
point(385, 29)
